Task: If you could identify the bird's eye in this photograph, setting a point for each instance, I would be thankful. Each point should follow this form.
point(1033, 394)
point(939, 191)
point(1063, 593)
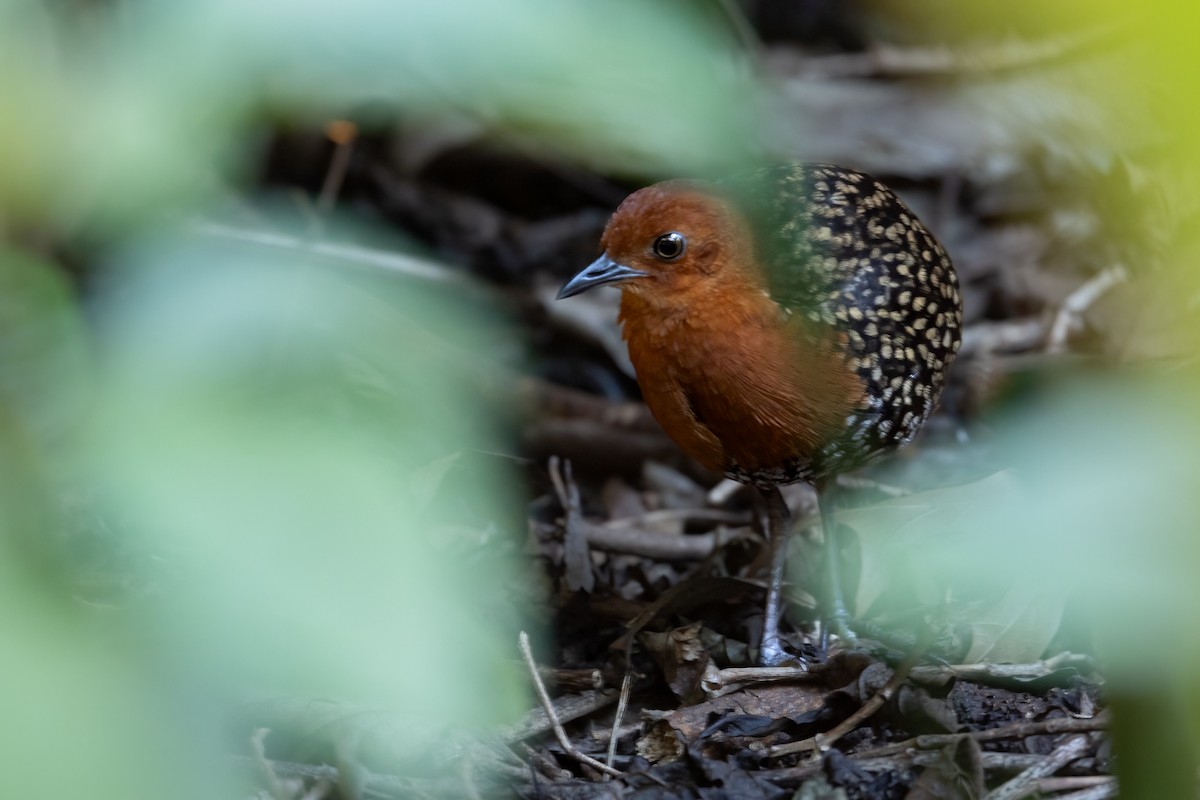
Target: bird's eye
point(669, 246)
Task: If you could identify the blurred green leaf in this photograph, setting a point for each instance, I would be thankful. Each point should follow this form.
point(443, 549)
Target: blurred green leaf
point(272, 423)
point(82, 715)
point(957, 773)
point(897, 535)
point(1106, 513)
point(101, 130)
point(45, 358)
point(1018, 628)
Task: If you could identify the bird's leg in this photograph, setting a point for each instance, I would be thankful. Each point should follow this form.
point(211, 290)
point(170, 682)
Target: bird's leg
point(837, 617)
point(770, 650)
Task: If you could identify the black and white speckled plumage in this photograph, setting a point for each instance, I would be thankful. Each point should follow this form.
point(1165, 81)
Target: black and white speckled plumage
point(843, 250)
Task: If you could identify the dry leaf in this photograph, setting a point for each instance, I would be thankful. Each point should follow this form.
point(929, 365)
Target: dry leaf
point(1019, 627)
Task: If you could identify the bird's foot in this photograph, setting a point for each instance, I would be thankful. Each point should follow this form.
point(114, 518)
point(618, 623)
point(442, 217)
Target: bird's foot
point(840, 627)
point(839, 620)
point(772, 654)
point(837, 624)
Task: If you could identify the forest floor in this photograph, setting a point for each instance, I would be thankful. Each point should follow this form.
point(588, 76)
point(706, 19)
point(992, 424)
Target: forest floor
point(653, 567)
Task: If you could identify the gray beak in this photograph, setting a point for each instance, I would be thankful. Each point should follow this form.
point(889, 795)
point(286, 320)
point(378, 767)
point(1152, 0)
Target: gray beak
point(601, 271)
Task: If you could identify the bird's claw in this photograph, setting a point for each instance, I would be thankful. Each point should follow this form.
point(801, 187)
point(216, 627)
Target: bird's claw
point(772, 654)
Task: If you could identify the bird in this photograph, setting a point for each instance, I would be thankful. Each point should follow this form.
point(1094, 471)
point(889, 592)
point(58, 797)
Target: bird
point(789, 324)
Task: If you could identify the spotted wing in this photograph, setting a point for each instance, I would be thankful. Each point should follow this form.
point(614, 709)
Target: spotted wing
point(843, 250)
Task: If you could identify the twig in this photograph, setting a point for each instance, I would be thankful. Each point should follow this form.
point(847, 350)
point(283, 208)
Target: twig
point(1017, 730)
point(578, 573)
point(343, 134)
point(983, 673)
point(685, 514)
point(823, 741)
point(573, 678)
point(566, 709)
point(659, 546)
point(622, 704)
point(739, 676)
point(724, 491)
point(1026, 783)
point(1102, 792)
point(1009, 763)
point(1007, 336)
point(542, 763)
point(1079, 301)
point(559, 733)
point(275, 786)
point(1073, 782)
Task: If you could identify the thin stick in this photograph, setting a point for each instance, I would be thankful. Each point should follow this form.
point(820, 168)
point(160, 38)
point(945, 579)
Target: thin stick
point(660, 546)
point(1010, 763)
point(1006, 336)
point(1077, 303)
point(1102, 792)
point(343, 134)
point(1017, 730)
point(578, 557)
point(724, 491)
point(982, 673)
point(823, 741)
point(622, 704)
point(1073, 782)
point(739, 676)
point(573, 678)
point(275, 786)
point(544, 765)
point(567, 709)
point(559, 733)
point(684, 514)
point(1026, 783)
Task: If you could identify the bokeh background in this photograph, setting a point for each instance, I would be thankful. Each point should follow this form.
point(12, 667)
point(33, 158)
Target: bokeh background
point(276, 337)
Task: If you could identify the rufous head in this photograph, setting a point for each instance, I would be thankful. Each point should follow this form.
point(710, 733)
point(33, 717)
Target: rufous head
point(666, 241)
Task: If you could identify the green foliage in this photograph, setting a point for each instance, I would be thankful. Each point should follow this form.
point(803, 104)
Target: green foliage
point(273, 453)
point(72, 692)
point(280, 438)
point(44, 350)
point(146, 107)
point(273, 425)
point(1097, 508)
